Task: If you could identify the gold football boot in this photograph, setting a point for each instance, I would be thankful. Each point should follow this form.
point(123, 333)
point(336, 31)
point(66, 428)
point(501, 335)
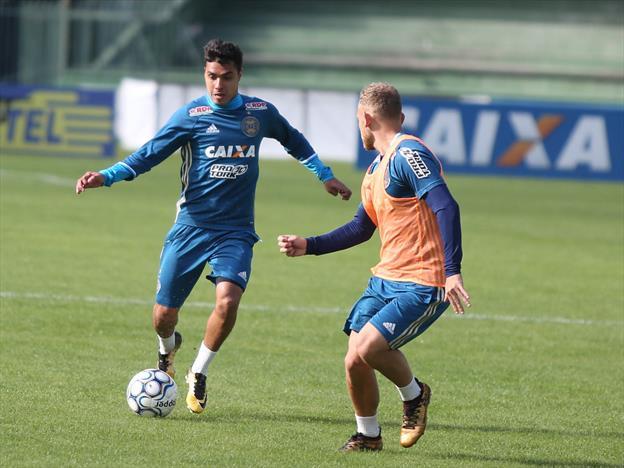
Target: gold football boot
point(196, 398)
point(415, 417)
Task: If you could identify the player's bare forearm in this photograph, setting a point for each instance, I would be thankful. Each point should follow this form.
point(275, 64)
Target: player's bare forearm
point(291, 245)
point(89, 180)
point(336, 187)
point(456, 294)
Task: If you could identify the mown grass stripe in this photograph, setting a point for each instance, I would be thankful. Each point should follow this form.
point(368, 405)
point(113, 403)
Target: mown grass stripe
point(39, 296)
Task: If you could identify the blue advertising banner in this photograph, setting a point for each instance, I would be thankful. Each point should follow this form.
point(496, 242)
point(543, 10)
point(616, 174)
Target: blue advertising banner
point(56, 121)
point(518, 138)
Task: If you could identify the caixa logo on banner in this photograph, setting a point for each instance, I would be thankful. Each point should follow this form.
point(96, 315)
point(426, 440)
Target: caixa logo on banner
point(529, 139)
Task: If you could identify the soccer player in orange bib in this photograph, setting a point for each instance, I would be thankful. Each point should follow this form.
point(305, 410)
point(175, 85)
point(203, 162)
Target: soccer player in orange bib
point(405, 196)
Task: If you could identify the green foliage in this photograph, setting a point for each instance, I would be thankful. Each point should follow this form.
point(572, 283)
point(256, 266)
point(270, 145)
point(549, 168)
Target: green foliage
point(532, 375)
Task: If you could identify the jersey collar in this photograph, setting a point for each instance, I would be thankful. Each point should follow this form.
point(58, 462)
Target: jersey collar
point(397, 135)
point(235, 103)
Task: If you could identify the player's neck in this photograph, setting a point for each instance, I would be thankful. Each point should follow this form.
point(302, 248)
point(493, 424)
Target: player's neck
point(385, 138)
point(233, 103)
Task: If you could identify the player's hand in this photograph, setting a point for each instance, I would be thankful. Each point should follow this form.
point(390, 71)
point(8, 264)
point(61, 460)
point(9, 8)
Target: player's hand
point(456, 294)
point(89, 180)
point(335, 187)
point(292, 246)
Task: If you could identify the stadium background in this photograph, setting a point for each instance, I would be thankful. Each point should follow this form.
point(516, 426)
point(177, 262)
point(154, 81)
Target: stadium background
point(310, 59)
point(534, 377)
point(566, 49)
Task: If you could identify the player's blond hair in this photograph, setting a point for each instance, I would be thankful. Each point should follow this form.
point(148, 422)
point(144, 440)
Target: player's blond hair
point(381, 99)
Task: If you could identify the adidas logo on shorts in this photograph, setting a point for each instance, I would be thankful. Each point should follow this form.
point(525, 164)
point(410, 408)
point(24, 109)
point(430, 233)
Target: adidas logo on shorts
point(389, 326)
point(243, 274)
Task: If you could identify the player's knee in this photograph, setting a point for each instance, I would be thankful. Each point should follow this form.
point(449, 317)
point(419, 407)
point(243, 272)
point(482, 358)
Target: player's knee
point(371, 345)
point(368, 352)
point(162, 311)
point(364, 354)
point(353, 362)
point(228, 297)
point(164, 316)
point(227, 304)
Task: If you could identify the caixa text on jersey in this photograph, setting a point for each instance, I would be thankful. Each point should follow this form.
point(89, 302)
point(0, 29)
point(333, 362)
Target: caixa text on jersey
point(231, 151)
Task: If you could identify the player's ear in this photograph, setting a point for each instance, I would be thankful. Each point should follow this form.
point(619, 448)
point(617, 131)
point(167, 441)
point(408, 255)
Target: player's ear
point(402, 118)
point(368, 119)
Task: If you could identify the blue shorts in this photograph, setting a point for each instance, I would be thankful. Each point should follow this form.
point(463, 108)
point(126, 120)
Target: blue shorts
point(185, 253)
point(399, 310)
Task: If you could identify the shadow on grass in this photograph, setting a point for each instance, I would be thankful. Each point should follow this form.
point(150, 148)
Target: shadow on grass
point(525, 430)
point(237, 417)
point(284, 417)
point(521, 460)
point(277, 417)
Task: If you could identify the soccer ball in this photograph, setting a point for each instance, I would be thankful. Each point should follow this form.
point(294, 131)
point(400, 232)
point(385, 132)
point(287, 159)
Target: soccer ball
point(152, 393)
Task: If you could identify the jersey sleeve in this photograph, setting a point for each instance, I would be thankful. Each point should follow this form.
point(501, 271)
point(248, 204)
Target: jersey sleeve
point(175, 133)
point(356, 231)
point(446, 210)
point(290, 138)
point(415, 170)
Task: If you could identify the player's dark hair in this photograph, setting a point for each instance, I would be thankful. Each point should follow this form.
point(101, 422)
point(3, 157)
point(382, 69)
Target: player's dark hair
point(223, 52)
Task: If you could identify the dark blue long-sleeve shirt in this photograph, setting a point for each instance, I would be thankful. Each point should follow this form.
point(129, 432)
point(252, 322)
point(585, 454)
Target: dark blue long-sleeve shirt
point(404, 182)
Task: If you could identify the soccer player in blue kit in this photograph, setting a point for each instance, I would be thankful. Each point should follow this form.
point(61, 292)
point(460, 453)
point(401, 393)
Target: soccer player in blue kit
point(404, 197)
point(219, 136)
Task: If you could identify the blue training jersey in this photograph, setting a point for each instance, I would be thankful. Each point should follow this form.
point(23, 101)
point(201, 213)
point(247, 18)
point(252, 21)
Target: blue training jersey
point(219, 149)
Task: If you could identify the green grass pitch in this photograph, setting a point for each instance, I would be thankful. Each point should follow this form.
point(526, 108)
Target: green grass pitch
point(531, 376)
